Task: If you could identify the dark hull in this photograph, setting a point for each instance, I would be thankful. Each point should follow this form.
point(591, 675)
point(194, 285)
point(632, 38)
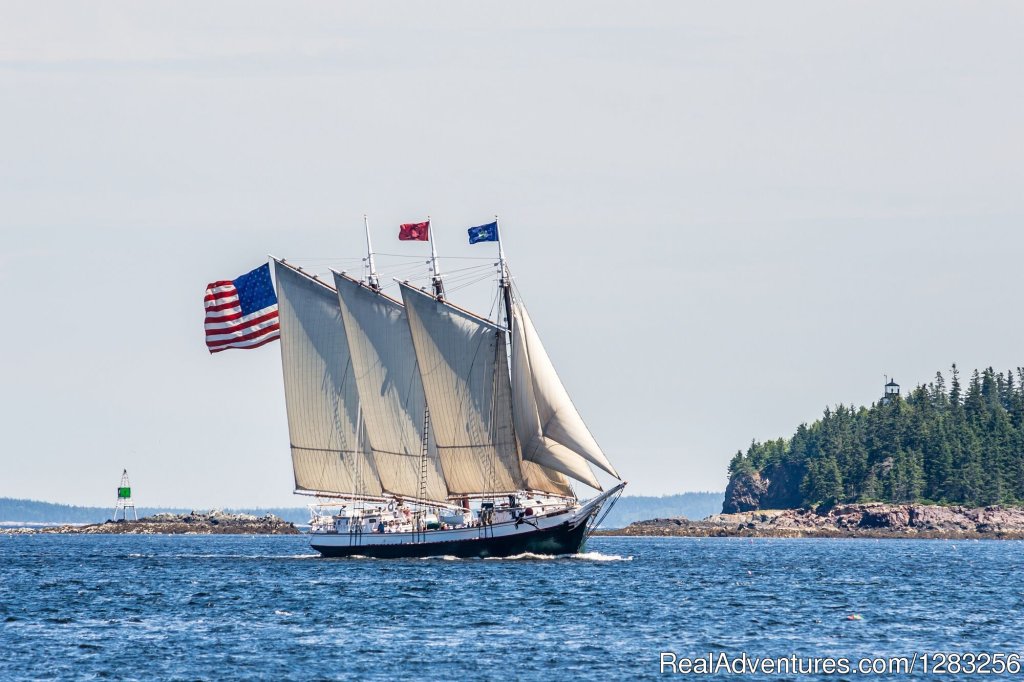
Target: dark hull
point(562, 539)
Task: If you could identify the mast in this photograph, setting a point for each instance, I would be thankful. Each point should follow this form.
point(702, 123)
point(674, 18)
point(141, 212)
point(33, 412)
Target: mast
point(435, 279)
point(550, 431)
point(373, 280)
point(505, 281)
point(535, 476)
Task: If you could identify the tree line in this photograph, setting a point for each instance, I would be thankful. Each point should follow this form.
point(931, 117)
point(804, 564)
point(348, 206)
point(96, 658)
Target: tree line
point(943, 444)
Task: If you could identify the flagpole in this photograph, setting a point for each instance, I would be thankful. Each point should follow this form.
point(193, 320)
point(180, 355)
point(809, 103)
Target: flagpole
point(372, 279)
point(501, 251)
point(438, 284)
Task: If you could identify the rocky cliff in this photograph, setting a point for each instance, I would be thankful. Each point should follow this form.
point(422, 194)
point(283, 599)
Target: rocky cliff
point(777, 487)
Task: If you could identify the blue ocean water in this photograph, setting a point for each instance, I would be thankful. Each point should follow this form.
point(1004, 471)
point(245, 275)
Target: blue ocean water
point(230, 607)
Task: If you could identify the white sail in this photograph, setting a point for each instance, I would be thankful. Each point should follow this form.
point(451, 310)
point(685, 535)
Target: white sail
point(320, 390)
point(390, 390)
point(537, 477)
point(464, 370)
point(535, 447)
point(556, 435)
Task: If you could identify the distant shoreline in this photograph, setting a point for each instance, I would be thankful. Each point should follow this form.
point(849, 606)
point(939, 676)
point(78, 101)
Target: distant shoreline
point(16, 512)
point(876, 521)
point(195, 523)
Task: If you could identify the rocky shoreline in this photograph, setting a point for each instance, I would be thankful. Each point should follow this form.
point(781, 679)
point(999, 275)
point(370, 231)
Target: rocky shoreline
point(896, 521)
point(195, 523)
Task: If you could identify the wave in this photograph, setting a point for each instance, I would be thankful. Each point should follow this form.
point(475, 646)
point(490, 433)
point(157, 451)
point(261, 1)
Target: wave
point(598, 556)
point(525, 556)
point(223, 556)
point(583, 556)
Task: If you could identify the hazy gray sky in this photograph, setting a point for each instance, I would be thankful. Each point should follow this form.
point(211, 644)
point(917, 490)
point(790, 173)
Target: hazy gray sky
point(724, 216)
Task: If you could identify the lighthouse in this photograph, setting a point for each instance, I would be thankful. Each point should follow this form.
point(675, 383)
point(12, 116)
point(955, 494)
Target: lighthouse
point(892, 391)
point(124, 499)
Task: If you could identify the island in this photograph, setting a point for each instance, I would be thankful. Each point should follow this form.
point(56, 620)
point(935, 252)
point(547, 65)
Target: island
point(195, 523)
point(944, 461)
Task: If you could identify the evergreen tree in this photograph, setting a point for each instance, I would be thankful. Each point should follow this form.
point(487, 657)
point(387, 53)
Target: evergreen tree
point(823, 482)
point(954, 391)
point(961, 446)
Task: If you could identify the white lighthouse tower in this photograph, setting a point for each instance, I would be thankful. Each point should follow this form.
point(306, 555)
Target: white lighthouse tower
point(124, 499)
point(892, 391)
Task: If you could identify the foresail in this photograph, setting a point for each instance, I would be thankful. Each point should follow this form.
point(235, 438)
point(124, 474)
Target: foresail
point(390, 390)
point(534, 476)
point(535, 447)
point(560, 422)
point(463, 367)
point(320, 390)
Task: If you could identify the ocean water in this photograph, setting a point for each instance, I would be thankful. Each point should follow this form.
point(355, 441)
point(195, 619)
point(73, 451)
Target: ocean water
point(228, 607)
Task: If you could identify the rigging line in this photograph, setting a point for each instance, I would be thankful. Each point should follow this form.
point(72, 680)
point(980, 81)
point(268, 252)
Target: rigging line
point(324, 259)
point(468, 273)
point(405, 255)
point(405, 276)
point(403, 272)
point(474, 276)
point(518, 291)
point(338, 451)
point(409, 274)
point(405, 267)
point(467, 269)
point(494, 307)
point(400, 269)
point(465, 274)
point(463, 285)
point(598, 518)
point(463, 282)
point(400, 259)
point(464, 278)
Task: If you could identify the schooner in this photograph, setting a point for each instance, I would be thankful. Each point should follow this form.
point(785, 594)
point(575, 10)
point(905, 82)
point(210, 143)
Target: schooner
point(434, 430)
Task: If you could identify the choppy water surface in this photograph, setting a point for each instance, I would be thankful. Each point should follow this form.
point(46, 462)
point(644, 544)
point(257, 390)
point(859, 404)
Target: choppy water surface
point(207, 607)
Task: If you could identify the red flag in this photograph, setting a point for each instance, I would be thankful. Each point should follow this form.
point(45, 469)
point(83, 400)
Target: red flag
point(414, 232)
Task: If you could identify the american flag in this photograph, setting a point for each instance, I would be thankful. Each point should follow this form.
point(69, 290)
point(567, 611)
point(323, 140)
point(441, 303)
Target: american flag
point(241, 313)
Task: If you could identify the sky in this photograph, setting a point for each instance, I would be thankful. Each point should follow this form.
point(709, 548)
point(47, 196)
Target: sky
point(724, 216)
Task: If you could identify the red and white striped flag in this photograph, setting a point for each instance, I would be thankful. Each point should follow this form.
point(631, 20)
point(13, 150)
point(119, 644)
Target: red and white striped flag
point(241, 313)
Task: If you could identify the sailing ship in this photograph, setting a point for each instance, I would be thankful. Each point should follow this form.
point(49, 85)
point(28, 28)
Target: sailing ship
point(430, 430)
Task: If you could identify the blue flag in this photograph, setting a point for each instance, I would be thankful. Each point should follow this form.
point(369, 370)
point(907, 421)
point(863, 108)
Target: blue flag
point(484, 233)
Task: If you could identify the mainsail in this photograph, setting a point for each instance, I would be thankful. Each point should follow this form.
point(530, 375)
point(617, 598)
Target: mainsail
point(550, 429)
point(390, 390)
point(463, 365)
point(320, 390)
